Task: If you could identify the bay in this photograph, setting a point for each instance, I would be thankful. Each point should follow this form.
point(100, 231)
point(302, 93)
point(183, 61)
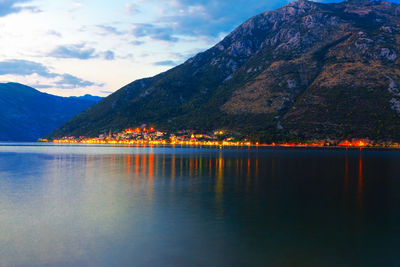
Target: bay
point(85, 205)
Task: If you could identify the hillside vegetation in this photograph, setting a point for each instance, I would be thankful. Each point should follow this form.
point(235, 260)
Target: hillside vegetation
point(307, 70)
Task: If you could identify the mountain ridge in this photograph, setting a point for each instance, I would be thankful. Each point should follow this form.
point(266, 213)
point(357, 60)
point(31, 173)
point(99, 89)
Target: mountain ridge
point(295, 72)
point(88, 97)
point(27, 114)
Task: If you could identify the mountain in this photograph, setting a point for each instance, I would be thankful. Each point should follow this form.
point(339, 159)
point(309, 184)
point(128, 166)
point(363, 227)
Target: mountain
point(88, 97)
point(306, 70)
point(27, 114)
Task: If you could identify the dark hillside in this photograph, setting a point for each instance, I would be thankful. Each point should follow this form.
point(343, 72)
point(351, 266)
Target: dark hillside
point(27, 114)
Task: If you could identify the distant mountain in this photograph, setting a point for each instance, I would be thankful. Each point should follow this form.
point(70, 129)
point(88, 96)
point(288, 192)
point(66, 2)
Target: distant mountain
point(88, 97)
point(27, 114)
point(306, 70)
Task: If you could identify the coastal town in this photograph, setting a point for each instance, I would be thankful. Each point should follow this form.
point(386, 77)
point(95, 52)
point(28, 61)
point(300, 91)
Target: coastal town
point(151, 136)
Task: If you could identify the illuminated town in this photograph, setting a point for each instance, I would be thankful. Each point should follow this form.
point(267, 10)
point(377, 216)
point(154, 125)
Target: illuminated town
point(151, 136)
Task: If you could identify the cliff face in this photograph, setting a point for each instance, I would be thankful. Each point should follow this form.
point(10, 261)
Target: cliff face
point(27, 114)
point(307, 69)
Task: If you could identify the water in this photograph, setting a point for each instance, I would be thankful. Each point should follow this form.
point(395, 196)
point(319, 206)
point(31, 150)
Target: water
point(140, 206)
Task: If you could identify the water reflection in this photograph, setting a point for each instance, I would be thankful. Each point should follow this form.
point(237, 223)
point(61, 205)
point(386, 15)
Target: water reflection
point(136, 169)
point(219, 186)
point(143, 168)
point(346, 174)
point(245, 172)
point(360, 182)
point(149, 175)
point(173, 166)
point(154, 206)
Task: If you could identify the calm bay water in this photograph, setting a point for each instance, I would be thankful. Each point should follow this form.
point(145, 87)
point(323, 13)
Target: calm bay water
point(146, 206)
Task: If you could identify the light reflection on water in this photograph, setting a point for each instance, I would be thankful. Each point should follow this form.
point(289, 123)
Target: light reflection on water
point(141, 206)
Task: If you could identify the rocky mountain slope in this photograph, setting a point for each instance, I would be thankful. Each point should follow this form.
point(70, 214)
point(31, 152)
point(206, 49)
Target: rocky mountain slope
point(27, 114)
point(306, 70)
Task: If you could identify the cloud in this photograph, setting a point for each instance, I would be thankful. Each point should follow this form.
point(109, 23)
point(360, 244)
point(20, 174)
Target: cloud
point(54, 33)
point(154, 32)
point(41, 86)
point(67, 81)
point(137, 42)
point(109, 55)
point(79, 51)
point(76, 5)
point(13, 6)
point(132, 8)
point(178, 19)
point(73, 51)
point(106, 30)
point(165, 63)
point(26, 68)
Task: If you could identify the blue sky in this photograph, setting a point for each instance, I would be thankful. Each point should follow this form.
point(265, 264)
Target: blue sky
point(74, 47)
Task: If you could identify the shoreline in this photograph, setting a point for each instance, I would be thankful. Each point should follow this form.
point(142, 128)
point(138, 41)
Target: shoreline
point(230, 146)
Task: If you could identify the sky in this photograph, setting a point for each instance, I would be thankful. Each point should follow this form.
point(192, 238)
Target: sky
point(77, 47)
